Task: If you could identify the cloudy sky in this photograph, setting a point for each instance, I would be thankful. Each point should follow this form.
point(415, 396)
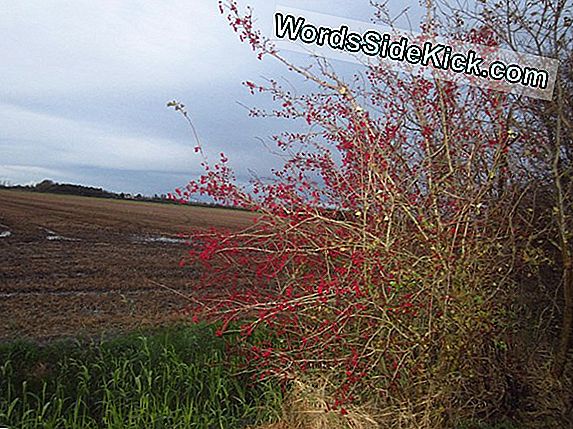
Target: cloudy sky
point(84, 86)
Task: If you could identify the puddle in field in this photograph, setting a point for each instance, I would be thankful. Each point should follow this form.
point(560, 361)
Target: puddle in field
point(59, 237)
point(4, 234)
point(54, 236)
point(159, 239)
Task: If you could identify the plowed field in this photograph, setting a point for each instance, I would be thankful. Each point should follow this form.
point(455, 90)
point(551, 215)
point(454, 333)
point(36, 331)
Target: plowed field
point(86, 266)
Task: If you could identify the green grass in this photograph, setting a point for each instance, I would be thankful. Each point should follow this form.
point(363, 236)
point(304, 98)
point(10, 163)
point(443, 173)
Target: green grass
point(171, 378)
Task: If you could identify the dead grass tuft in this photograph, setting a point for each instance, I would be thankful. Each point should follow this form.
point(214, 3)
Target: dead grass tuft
point(306, 407)
point(549, 400)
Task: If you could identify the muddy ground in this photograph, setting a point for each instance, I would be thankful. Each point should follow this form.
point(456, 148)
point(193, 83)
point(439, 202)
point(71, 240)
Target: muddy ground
point(74, 266)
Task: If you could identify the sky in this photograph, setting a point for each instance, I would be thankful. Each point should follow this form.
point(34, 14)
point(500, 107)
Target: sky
point(84, 86)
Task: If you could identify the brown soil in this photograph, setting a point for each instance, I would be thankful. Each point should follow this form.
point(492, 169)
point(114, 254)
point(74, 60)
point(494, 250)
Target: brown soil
point(88, 266)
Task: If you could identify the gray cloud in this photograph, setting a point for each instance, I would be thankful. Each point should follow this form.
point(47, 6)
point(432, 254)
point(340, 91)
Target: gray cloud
point(84, 85)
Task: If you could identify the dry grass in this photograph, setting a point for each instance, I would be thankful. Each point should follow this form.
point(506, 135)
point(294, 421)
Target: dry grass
point(549, 399)
point(306, 407)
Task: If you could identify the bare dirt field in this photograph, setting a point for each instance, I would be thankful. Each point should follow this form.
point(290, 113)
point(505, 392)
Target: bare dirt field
point(86, 266)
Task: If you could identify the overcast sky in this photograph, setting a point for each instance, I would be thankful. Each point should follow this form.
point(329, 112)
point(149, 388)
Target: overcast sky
point(84, 86)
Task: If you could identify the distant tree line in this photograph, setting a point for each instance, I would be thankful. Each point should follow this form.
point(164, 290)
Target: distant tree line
point(51, 187)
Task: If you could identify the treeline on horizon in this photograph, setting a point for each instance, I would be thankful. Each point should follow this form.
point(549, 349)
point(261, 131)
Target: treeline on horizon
point(50, 187)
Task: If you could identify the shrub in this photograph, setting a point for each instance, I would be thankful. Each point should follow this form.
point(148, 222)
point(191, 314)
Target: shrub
point(382, 252)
